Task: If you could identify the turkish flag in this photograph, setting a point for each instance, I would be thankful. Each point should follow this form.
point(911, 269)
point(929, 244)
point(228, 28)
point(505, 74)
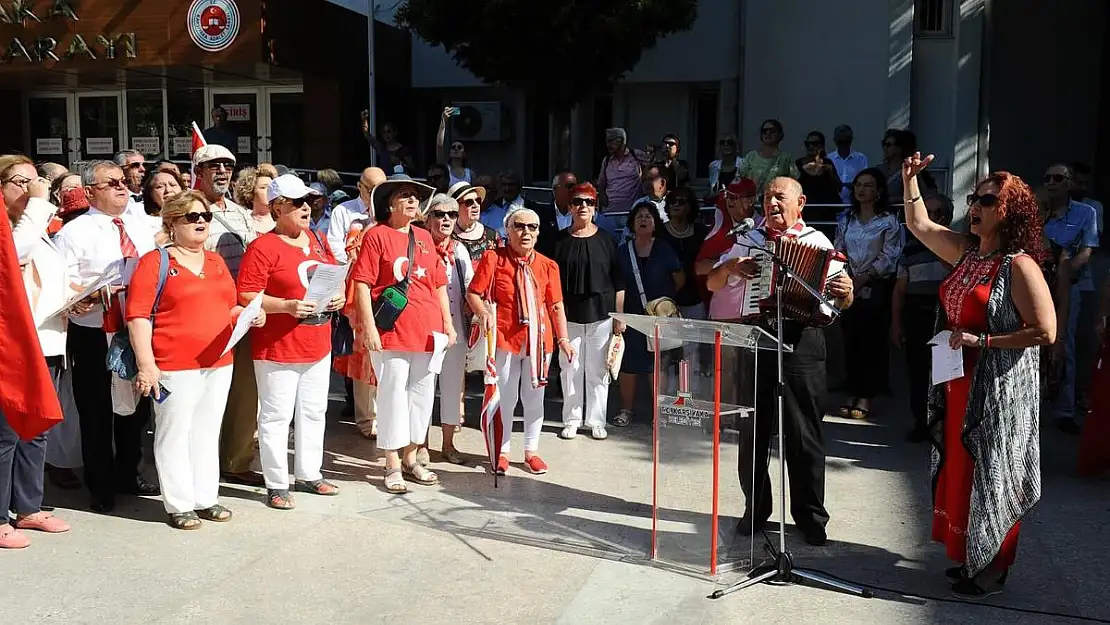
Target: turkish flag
point(27, 395)
point(198, 143)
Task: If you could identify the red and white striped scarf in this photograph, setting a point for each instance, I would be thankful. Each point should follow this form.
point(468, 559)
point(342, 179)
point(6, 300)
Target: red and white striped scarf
point(532, 315)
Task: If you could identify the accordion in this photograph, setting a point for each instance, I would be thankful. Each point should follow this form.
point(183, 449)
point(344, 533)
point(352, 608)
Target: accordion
point(811, 263)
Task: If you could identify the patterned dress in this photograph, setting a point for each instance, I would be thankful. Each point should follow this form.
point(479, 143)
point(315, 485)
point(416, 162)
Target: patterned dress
point(964, 295)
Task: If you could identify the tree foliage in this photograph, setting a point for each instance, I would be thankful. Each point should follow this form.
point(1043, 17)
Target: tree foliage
point(560, 50)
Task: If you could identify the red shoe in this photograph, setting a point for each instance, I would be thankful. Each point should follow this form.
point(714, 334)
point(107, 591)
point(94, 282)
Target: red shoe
point(536, 465)
point(42, 522)
point(502, 465)
point(11, 538)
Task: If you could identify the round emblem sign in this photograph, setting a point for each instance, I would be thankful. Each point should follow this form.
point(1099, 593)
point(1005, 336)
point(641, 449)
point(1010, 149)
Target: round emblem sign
point(213, 24)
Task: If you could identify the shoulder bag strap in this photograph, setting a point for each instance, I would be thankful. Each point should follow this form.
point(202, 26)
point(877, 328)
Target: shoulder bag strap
point(636, 274)
point(412, 250)
point(163, 273)
point(229, 229)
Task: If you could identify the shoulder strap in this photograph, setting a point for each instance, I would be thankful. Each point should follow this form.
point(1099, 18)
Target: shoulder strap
point(412, 250)
point(163, 273)
point(230, 230)
point(636, 274)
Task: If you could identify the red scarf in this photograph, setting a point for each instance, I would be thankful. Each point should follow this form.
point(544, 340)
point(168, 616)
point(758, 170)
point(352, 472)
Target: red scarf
point(531, 310)
point(27, 395)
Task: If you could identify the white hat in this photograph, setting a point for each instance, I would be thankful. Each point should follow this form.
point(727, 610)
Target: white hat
point(288, 186)
point(212, 152)
point(379, 197)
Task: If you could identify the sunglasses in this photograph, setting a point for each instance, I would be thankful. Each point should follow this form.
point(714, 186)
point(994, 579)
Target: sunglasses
point(670, 144)
point(111, 183)
point(196, 218)
point(457, 147)
point(220, 165)
point(583, 201)
point(986, 200)
point(445, 214)
point(679, 202)
point(1057, 178)
point(519, 227)
point(299, 202)
point(471, 202)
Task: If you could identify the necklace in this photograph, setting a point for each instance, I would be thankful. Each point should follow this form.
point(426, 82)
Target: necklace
point(681, 234)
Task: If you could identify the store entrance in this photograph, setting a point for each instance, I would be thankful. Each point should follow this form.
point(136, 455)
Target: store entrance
point(263, 123)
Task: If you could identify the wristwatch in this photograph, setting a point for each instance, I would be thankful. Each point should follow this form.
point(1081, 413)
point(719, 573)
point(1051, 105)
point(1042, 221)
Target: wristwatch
point(982, 343)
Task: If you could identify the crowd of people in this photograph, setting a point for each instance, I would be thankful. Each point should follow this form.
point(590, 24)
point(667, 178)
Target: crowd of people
point(435, 265)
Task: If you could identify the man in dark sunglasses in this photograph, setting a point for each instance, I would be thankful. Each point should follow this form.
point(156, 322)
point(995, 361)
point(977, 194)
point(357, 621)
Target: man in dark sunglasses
point(1072, 228)
point(555, 216)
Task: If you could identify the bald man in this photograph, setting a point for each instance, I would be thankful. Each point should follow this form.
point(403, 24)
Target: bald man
point(347, 212)
point(803, 384)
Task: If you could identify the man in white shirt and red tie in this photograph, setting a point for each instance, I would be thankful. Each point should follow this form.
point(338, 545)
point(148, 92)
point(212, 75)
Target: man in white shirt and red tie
point(107, 234)
point(803, 384)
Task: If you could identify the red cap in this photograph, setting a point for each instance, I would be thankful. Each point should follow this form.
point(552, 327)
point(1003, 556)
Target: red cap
point(743, 186)
point(585, 189)
point(73, 201)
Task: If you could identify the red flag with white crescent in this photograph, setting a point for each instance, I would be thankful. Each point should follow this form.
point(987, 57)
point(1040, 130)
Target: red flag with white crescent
point(198, 143)
point(492, 428)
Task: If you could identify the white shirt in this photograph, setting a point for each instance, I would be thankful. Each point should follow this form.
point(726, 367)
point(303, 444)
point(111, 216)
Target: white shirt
point(90, 244)
point(135, 205)
point(456, 289)
point(342, 216)
point(847, 169)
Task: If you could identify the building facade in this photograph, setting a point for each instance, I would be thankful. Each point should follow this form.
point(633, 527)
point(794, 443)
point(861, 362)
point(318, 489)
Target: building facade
point(984, 84)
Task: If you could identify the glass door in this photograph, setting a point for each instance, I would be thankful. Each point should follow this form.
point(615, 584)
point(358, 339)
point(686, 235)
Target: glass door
point(99, 125)
point(241, 130)
point(284, 135)
point(50, 129)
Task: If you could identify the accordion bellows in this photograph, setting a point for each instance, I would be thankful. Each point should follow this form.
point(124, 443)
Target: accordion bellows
point(811, 263)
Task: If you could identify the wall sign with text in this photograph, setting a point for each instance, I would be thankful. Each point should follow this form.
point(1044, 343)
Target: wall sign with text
point(28, 48)
point(213, 24)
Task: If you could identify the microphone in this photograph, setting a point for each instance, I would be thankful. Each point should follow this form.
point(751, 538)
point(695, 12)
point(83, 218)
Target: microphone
point(744, 227)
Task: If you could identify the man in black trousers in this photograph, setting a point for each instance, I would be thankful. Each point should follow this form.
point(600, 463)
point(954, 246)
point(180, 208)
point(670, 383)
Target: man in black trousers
point(803, 384)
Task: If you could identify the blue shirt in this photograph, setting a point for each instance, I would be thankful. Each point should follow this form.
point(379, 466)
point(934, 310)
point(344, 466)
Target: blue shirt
point(1073, 231)
point(656, 274)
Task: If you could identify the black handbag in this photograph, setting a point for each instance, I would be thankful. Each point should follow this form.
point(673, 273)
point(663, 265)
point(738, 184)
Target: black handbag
point(394, 299)
point(342, 336)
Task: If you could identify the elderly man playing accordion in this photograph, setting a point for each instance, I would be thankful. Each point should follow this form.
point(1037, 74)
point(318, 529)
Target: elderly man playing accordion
point(803, 383)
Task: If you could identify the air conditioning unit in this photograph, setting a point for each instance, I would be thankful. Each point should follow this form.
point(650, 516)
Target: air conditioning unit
point(477, 121)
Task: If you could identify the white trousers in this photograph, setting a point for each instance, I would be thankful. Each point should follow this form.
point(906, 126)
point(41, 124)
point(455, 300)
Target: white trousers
point(288, 392)
point(187, 437)
point(451, 381)
point(366, 410)
point(584, 389)
point(514, 381)
point(406, 392)
point(63, 441)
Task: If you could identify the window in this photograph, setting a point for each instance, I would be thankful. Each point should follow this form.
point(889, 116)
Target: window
point(144, 122)
point(932, 18)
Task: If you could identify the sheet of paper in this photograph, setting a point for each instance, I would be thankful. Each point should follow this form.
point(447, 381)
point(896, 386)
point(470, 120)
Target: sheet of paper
point(243, 323)
point(111, 276)
point(328, 281)
point(948, 363)
point(439, 349)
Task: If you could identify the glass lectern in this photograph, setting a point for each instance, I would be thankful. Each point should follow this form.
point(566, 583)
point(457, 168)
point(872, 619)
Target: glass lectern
point(699, 406)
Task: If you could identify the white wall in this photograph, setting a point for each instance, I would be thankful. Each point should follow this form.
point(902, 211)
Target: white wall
point(799, 70)
point(708, 52)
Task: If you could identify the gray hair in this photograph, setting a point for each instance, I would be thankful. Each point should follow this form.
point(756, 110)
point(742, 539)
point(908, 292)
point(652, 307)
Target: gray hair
point(616, 133)
point(50, 171)
point(88, 172)
point(121, 156)
point(449, 203)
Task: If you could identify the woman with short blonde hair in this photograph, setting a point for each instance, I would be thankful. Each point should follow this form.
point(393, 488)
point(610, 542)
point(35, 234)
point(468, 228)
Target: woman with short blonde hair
point(249, 191)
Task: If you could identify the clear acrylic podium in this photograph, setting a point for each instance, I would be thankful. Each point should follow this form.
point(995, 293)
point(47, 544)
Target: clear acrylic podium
point(702, 394)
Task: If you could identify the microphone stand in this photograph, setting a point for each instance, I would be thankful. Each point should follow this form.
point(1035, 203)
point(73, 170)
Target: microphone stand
point(782, 570)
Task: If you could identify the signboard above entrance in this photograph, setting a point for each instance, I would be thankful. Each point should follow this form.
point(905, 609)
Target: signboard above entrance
point(45, 47)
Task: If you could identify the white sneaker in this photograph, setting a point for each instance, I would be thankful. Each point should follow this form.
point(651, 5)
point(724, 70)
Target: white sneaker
point(569, 432)
point(599, 433)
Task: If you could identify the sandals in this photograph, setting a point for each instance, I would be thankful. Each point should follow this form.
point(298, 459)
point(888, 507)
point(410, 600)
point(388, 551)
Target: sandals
point(184, 521)
point(317, 487)
point(279, 499)
point(845, 411)
point(452, 455)
point(423, 458)
point(860, 414)
point(395, 482)
point(216, 514)
point(623, 418)
point(420, 474)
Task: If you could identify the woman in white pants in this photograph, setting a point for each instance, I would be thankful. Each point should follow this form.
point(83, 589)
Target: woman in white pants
point(401, 297)
point(292, 352)
point(181, 360)
point(525, 287)
point(439, 218)
point(593, 287)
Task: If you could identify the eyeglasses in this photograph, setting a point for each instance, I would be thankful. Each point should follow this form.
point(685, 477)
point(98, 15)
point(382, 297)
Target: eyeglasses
point(219, 165)
point(113, 183)
point(986, 200)
point(530, 227)
point(583, 201)
point(196, 218)
point(18, 181)
point(445, 214)
point(1056, 178)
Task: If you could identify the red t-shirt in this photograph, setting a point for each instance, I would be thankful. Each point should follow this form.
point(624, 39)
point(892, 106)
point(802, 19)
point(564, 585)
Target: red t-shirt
point(193, 322)
point(382, 262)
point(495, 280)
point(279, 269)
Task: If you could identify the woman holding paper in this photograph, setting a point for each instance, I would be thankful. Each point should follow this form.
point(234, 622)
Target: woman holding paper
point(402, 301)
point(984, 425)
point(292, 352)
point(182, 360)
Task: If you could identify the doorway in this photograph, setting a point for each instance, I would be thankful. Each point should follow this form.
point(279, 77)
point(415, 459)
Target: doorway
point(264, 124)
point(73, 128)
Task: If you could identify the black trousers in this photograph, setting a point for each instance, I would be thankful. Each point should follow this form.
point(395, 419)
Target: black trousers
point(866, 327)
point(110, 443)
point(804, 450)
point(918, 319)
